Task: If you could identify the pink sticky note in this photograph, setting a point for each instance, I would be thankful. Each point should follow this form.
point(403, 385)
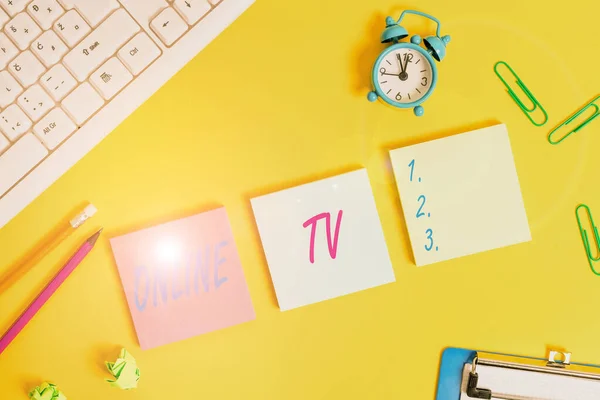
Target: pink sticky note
point(183, 278)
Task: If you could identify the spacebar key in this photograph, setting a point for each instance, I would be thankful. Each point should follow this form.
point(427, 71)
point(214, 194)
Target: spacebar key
point(19, 160)
point(102, 43)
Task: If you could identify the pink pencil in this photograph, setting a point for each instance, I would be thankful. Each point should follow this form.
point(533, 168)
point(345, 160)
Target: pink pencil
point(48, 291)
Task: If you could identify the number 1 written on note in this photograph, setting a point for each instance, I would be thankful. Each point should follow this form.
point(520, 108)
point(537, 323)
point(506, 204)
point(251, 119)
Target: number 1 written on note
point(412, 170)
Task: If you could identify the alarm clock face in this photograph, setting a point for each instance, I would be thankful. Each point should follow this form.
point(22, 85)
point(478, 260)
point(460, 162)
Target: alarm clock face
point(405, 75)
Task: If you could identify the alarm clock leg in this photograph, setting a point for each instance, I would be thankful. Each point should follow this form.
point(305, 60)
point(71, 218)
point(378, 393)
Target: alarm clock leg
point(419, 111)
point(372, 96)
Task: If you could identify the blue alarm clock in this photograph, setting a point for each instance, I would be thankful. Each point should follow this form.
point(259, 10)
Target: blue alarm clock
point(405, 74)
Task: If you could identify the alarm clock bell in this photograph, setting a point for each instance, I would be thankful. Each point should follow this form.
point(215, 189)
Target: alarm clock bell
point(394, 32)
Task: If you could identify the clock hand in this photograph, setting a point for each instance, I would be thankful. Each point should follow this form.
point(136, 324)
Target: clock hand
point(399, 57)
point(384, 73)
point(403, 75)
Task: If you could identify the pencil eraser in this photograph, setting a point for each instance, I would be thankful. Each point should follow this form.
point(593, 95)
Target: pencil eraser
point(90, 211)
point(83, 216)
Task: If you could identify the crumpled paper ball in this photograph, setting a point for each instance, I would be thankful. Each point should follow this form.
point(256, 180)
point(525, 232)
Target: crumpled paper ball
point(46, 391)
point(124, 370)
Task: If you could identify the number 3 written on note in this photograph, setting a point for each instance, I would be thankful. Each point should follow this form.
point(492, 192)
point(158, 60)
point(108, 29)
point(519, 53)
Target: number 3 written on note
point(429, 233)
point(429, 246)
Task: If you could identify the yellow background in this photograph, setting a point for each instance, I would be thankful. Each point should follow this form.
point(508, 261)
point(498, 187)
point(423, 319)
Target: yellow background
point(277, 100)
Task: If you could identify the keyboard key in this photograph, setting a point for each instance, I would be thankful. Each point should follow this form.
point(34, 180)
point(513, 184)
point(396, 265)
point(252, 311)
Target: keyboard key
point(14, 123)
point(58, 82)
point(22, 30)
point(54, 128)
point(67, 4)
point(71, 28)
point(26, 68)
point(8, 50)
point(192, 10)
point(19, 159)
point(35, 102)
point(49, 48)
point(3, 17)
point(139, 53)
point(4, 143)
point(13, 7)
point(45, 12)
point(144, 11)
point(169, 26)
point(82, 103)
point(9, 89)
point(95, 11)
point(111, 78)
point(103, 42)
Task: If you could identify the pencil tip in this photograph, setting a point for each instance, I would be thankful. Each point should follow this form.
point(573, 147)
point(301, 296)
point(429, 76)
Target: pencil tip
point(94, 238)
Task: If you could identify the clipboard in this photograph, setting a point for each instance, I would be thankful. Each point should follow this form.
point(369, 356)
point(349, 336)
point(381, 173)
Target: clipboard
point(472, 374)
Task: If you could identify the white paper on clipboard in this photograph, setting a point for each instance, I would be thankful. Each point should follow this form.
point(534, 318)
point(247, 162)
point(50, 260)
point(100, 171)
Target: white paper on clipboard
point(516, 384)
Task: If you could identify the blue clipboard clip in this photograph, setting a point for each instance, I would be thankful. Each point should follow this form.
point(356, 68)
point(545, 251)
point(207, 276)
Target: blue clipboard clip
point(459, 372)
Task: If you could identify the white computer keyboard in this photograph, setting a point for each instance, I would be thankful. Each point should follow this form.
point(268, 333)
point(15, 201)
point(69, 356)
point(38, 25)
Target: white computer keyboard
point(72, 70)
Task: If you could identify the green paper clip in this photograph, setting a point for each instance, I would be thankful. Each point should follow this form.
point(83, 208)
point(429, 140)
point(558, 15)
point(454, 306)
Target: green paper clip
point(584, 237)
point(527, 111)
point(572, 117)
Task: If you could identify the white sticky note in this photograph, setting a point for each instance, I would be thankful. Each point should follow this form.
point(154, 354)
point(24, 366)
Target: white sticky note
point(323, 240)
point(460, 195)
